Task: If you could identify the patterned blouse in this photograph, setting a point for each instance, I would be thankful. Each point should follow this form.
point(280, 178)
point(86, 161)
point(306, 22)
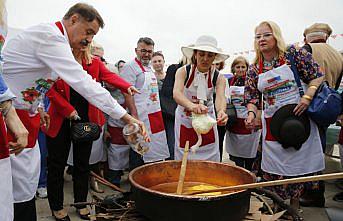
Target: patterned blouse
point(308, 70)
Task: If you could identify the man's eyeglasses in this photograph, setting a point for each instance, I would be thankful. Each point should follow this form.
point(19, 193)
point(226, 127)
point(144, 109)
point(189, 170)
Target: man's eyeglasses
point(264, 35)
point(144, 51)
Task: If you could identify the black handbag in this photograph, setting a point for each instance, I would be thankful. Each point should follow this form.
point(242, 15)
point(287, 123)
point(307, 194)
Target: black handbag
point(84, 132)
point(232, 115)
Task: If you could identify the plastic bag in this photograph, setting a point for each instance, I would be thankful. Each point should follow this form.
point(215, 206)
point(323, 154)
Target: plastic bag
point(202, 123)
point(133, 136)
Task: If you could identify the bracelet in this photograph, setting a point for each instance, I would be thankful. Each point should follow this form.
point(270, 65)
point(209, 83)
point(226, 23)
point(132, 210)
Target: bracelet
point(313, 87)
point(309, 98)
point(252, 112)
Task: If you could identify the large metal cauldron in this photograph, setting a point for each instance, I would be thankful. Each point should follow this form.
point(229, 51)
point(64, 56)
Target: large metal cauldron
point(159, 206)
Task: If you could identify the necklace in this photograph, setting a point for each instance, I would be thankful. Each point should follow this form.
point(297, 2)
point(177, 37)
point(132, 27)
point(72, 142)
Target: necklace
point(268, 64)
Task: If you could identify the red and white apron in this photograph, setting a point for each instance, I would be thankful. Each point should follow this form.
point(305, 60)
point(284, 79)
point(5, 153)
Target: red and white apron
point(26, 165)
point(240, 141)
point(6, 199)
point(25, 173)
point(149, 111)
point(98, 153)
point(209, 148)
point(118, 152)
point(279, 88)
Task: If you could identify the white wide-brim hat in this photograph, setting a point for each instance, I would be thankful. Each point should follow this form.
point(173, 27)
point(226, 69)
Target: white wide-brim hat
point(205, 43)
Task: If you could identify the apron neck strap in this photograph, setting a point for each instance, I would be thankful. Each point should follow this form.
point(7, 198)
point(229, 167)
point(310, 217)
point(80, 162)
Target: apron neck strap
point(140, 64)
point(209, 80)
point(191, 77)
point(260, 63)
point(59, 26)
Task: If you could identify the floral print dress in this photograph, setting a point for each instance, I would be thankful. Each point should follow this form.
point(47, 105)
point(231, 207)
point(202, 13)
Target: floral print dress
point(308, 70)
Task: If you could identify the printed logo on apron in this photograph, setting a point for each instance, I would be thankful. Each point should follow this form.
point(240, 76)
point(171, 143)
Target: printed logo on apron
point(279, 88)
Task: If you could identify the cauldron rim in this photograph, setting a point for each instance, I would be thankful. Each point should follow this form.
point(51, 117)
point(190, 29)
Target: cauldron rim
point(187, 197)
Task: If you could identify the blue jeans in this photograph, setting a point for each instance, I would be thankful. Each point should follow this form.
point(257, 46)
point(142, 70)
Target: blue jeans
point(43, 163)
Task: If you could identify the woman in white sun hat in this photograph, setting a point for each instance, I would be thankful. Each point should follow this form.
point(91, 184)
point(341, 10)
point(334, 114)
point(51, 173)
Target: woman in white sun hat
point(193, 91)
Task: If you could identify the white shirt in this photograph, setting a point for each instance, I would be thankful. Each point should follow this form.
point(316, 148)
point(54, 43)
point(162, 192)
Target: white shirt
point(31, 56)
point(133, 74)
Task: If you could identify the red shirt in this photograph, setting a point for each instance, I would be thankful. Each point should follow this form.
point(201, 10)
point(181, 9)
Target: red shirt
point(59, 96)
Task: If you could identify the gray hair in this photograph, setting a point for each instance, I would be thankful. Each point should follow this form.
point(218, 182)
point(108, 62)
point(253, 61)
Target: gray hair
point(146, 40)
point(88, 12)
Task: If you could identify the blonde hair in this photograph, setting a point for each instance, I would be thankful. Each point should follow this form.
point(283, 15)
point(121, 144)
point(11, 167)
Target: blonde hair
point(237, 60)
point(184, 60)
point(280, 42)
point(2, 11)
point(88, 55)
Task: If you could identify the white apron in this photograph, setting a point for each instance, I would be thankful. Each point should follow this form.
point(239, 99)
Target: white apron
point(209, 148)
point(6, 198)
point(149, 111)
point(279, 88)
point(118, 152)
point(25, 173)
point(97, 152)
point(241, 142)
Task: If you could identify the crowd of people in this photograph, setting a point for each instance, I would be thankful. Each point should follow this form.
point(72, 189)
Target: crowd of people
point(54, 76)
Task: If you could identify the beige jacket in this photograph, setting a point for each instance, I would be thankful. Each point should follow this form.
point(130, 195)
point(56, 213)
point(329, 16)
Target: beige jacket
point(330, 60)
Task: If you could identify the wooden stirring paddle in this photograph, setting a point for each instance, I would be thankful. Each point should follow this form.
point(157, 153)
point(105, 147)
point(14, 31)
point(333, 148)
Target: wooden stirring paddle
point(183, 169)
point(271, 183)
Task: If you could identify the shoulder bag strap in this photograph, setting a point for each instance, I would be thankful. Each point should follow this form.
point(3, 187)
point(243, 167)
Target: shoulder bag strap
point(296, 74)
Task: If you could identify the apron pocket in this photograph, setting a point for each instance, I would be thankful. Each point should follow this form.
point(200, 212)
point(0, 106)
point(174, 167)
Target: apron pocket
point(156, 122)
point(188, 134)
point(239, 127)
point(269, 136)
point(116, 135)
point(32, 124)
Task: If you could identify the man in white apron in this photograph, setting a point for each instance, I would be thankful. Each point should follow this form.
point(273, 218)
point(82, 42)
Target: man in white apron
point(192, 90)
point(146, 105)
point(29, 58)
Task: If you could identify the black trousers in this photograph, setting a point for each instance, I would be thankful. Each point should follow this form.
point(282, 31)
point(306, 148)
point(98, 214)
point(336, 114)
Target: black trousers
point(25, 211)
point(221, 135)
point(58, 151)
point(246, 163)
point(135, 160)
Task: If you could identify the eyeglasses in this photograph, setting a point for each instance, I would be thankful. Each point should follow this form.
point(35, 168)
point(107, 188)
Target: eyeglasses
point(144, 51)
point(264, 35)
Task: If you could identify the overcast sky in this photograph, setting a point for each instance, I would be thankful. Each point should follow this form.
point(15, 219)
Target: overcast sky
point(175, 23)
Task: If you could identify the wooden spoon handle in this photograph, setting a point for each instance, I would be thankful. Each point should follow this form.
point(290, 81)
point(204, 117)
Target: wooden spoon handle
point(272, 183)
point(183, 169)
